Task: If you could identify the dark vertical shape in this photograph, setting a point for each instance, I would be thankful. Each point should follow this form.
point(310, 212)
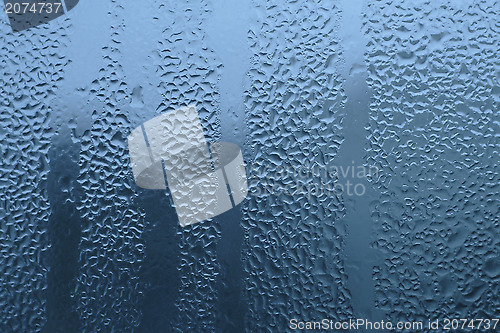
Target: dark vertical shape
point(360, 256)
point(64, 232)
point(160, 273)
point(230, 307)
point(227, 31)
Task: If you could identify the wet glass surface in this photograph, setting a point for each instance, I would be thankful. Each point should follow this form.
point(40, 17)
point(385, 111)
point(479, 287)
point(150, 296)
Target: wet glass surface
point(370, 132)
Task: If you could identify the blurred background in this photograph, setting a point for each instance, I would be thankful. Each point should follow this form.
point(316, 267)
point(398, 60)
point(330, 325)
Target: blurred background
point(409, 88)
